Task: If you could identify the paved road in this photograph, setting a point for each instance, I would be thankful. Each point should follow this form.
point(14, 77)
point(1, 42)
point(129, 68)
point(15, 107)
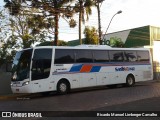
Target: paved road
point(144, 96)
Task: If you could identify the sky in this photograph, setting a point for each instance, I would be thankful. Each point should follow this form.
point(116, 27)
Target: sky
point(135, 13)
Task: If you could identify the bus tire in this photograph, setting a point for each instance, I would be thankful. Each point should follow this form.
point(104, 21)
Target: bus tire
point(130, 80)
point(63, 87)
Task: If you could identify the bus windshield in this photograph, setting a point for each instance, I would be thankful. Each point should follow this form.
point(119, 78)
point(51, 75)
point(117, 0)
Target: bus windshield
point(21, 65)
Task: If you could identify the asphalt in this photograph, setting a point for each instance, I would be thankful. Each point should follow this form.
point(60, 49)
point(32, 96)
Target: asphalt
point(146, 109)
point(147, 106)
point(150, 104)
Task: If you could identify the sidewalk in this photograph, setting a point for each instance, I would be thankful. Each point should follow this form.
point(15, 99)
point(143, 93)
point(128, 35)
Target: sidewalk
point(13, 96)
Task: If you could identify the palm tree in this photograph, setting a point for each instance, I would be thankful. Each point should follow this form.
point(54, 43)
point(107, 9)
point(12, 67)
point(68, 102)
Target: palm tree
point(83, 7)
point(97, 4)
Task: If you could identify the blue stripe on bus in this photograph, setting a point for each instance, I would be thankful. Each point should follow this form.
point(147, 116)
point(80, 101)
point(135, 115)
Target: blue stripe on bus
point(95, 69)
point(76, 68)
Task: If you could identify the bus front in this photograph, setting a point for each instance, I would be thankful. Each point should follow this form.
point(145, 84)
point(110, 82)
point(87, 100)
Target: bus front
point(20, 78)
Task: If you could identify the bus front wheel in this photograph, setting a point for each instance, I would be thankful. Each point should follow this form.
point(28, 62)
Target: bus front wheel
point(130, 81)
point(63, 87)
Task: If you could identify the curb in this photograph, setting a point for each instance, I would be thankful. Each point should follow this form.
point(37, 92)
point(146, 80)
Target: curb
point(13, 96)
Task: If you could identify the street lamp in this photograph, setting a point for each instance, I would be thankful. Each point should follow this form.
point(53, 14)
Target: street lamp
point(119, 12)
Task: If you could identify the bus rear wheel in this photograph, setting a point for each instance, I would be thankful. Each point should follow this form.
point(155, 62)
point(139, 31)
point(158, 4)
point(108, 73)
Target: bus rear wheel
point(63, 87)
point(130, 81)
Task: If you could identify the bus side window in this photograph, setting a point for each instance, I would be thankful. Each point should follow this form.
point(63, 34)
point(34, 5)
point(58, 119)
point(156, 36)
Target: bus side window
point(101, 56)
point(64, 56)
point(84, 56)
point(130, 56)
point(143, 55)
point(116, 56)
point(41, 64)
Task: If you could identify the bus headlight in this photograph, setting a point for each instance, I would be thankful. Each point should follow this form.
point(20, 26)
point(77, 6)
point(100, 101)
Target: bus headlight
point(25, 83)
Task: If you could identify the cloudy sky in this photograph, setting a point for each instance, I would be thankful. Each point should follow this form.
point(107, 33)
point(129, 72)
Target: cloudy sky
point(136, 13)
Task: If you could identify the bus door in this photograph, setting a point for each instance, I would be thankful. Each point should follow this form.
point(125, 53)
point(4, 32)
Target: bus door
point(40, 70)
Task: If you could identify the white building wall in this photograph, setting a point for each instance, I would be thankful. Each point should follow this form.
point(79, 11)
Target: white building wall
point(121, 34)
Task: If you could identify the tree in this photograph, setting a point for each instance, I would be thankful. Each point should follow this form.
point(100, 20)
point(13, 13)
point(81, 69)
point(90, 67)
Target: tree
point(83, 7)
point(97, 4)
point(91, 36)
point(116, 42)
point(56, 8)
point(49, 9)
point(27, 27)
point(5, 36)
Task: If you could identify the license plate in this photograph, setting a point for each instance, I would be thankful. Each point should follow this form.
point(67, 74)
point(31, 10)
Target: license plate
point(17, 82)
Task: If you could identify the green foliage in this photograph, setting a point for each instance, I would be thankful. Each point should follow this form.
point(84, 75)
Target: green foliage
point(51, 43)
point(56, 9)
point(7, 50)
point(62, 43)
point(26, 32)
point(116, 42)
point(91, 36)
point(83, 7)
point(5, 54)
point(14, 7)
point(72, 23)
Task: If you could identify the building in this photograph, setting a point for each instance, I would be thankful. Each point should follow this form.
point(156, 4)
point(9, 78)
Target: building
point(140, 37)
point(136, 37)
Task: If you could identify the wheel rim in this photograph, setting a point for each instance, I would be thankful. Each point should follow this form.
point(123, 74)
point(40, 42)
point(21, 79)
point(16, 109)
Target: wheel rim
point(63, 87)
point(130, 81)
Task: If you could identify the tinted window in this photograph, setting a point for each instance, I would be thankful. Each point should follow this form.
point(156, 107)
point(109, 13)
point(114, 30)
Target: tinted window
point(21, 65)
point(143, 55)
point(116, 56)
point(101, 56)
point(83, 56)
point(130, 56)
point(63, 56)
point(41, 63)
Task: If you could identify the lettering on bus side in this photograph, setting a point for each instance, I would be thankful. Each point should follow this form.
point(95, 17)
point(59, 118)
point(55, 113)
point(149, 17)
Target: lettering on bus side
point(125, 69)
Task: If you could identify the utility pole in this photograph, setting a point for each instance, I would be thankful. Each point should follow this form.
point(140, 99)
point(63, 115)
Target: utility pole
point(119, 12)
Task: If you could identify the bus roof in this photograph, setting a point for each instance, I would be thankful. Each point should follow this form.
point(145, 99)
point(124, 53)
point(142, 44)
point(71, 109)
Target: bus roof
point(100, 47)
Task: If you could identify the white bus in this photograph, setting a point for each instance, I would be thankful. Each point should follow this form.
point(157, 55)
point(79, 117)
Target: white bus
point(57, 68)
